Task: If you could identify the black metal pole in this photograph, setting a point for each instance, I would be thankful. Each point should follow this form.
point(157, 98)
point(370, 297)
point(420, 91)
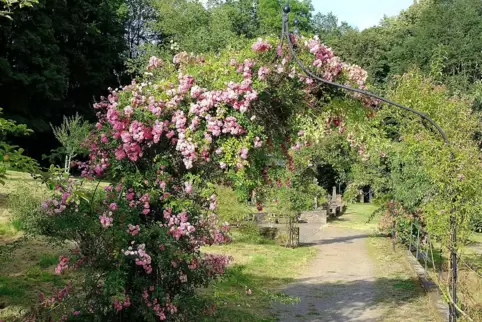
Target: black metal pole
point(394, 228)
point(453, 259)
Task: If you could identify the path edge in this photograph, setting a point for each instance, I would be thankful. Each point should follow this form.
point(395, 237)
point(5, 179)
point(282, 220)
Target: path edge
point(432, 290)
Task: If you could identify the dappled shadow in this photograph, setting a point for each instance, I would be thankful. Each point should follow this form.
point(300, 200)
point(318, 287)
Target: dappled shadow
point(358, 300)
point(313, 299)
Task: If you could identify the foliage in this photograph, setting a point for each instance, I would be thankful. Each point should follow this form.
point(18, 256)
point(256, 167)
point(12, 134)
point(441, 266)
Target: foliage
point(8, 6)
point(210, 26)
point(409, 163)
point(24, 206)
point(161, 141)
point(328, 28)
point(230, 208)
point(11, 156)
point(270, 11)
point(53, 57)
point(416, 38)
point(71, 134)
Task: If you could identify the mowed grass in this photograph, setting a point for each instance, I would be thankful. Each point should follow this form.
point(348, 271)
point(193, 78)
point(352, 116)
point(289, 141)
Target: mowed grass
point(27, 266)
point(260, 268)
point(359, 216)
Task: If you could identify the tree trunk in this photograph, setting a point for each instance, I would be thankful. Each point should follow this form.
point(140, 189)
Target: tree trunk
point(65, 163)
point(68, 159)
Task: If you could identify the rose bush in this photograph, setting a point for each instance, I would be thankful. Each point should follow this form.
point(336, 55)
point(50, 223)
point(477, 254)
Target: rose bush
point(162, 142)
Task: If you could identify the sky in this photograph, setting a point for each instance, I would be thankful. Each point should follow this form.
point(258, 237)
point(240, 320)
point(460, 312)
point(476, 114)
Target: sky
point(361, 13)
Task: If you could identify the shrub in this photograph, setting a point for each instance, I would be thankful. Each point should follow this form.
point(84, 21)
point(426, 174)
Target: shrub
point(230, 208)
point(25, 206)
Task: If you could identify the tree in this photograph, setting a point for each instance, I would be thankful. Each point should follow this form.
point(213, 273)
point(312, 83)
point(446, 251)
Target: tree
point(11, 156)
point(408, 163)
point(416, 38)
point(71, 134)
point(8, 6)
point(53, 57)
point(139, 19)
point(270, 11)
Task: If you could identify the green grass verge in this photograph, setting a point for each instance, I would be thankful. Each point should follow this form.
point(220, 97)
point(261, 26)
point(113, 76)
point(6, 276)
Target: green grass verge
point(259, 269)
point(398, 288)
point(358, 216)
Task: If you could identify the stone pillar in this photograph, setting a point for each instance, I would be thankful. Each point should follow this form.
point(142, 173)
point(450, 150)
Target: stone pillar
point(333, 197)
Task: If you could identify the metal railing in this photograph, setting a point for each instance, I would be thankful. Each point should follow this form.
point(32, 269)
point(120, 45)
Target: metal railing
point(436, 259)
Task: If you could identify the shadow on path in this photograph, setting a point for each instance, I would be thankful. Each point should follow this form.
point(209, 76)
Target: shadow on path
point(344, 239)
point(358, 300)
point(346, 283)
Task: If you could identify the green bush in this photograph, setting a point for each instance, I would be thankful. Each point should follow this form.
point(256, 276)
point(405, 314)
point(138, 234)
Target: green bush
point(476, 223)
point(25, 206)
point(230, 209)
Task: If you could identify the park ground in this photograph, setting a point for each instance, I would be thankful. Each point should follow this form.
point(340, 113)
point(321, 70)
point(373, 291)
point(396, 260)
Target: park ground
point(344, 272)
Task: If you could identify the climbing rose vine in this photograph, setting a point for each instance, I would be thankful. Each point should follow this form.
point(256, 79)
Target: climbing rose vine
point(158, 145)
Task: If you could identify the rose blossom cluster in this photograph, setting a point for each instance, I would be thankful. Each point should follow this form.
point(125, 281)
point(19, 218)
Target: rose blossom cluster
point(58, 205)
point(106, 219)
point(331, 67)
point(62, 265)
point(134, 136)
point(160, 309)
point(261, 45)
point(215, 264)
point(133, 230)
point(143, 259)
point(60, 296)
point(325, 59)
point(119, 304)
point(178, 224)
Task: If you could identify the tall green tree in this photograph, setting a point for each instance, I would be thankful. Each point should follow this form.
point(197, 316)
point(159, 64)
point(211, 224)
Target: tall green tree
point(53, 57)
point(436, 36)
point(270, 12)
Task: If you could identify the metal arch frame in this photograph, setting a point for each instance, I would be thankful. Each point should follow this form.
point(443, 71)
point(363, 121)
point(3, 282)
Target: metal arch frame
point(285, 33)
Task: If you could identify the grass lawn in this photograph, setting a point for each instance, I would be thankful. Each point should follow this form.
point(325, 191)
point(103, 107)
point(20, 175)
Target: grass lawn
point(261, 267)
point(358, 216)
point(26, 265)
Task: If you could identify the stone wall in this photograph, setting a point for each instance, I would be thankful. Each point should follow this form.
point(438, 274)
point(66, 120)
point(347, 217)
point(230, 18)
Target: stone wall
point(281, 234)
point(314, 217)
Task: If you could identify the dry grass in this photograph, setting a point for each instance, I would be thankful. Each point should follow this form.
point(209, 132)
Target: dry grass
point(400, 284)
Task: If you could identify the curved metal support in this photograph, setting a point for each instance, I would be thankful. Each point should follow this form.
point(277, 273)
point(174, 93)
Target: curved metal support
point(286, 33)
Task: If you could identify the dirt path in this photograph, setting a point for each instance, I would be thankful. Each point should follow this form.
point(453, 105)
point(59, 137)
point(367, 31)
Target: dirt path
point(353, 279)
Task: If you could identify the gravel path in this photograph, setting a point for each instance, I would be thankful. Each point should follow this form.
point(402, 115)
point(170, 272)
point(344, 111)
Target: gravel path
point(344, 283)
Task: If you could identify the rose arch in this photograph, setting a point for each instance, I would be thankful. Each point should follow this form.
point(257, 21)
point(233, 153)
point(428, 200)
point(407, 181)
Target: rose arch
point(161, 142)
